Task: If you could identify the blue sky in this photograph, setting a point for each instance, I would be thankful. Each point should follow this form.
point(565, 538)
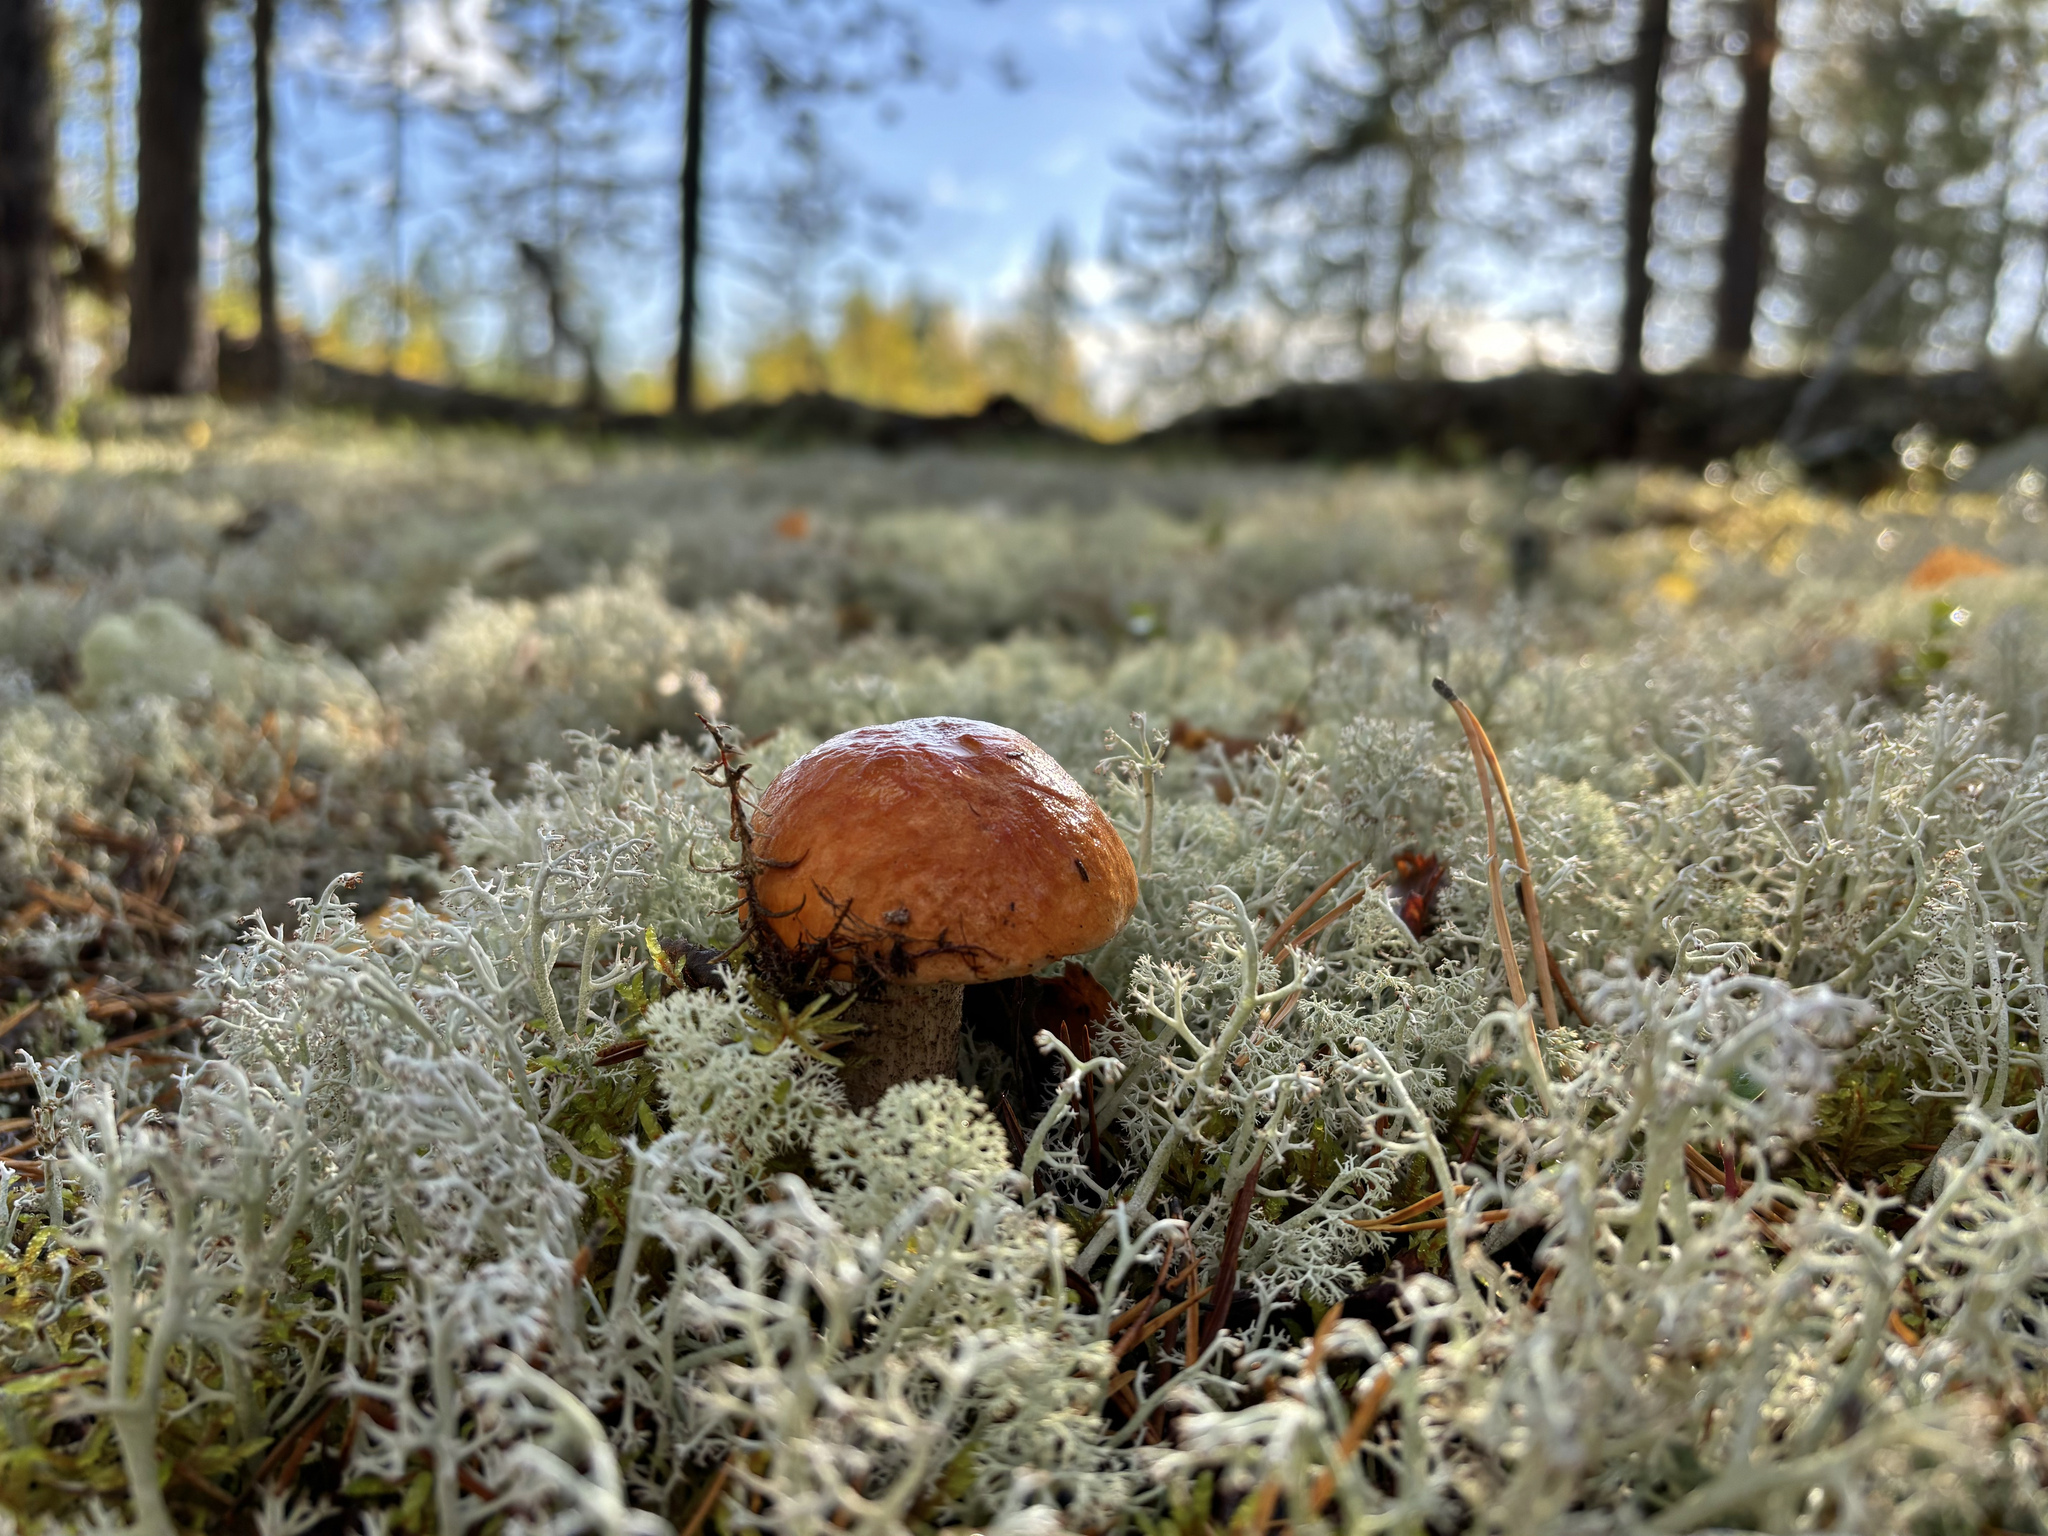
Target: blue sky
point(988, 170)
point(992, 170)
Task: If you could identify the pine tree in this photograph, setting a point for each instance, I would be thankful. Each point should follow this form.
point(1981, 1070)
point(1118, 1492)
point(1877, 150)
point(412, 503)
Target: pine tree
point(1369, 180)
point(29, 310)
point(791, 54)
point(170, 350)
point(1744, 252)
point(271, 361)
point(1907, 161)
point(1188, 235)
point(1646, 86)
point(1032, 355)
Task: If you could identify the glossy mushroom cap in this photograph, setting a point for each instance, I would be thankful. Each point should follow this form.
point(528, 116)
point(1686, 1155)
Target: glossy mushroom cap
point(937, 850)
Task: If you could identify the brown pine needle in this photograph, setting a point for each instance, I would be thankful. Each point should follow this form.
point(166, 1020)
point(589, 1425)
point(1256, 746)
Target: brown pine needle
point(1539, 948)
point(1491, 776)
point(1434, 1224)
point(1315, 929)
point(1153, 1325)
point(1428, 1202)
point(1314, 896)
point(696, 1520)
point(1307, 937)
point(1137, 1314)
point(1225, 1283)
point(1325, 1326)
point(1363, 1417)
point(7, 1024)
point(1262, 1510)
point(1502, 934)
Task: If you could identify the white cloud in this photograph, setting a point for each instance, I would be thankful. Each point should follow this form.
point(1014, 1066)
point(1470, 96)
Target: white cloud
point(1065, 157)
point(1094, 281)
point(1478, 346)
point(449, 52)
point(454, 51)
point(322, 281)
point(1078, 24)
point(949, 191)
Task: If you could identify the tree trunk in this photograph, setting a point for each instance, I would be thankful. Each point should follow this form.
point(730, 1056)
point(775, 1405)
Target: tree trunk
point(693, 198)
point(1742, 246)
point(170, 349)
point(396, 316)
point(1653, 37)
point(30, 307)
point(270, 359)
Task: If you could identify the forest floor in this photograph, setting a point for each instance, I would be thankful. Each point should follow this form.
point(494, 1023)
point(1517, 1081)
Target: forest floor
point(1774, 751)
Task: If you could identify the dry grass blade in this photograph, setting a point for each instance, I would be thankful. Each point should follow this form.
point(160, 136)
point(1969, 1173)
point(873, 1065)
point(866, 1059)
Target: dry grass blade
point(1564, 990)
point(1225, 1284)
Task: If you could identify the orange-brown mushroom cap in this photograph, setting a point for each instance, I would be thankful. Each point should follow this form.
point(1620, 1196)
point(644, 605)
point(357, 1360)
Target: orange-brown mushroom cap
point(937, 850)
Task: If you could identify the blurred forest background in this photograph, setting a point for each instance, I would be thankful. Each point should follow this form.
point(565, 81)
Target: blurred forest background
point(660, 205)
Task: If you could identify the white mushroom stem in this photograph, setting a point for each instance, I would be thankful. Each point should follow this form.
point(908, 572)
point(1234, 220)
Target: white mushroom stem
point(909, 1033)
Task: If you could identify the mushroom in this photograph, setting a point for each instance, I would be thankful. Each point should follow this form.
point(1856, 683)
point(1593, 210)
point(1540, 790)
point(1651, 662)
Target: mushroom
point(921, 856)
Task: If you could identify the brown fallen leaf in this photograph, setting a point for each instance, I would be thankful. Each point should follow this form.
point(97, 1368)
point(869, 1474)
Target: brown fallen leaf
point(1417, 879)
point(1951, 562)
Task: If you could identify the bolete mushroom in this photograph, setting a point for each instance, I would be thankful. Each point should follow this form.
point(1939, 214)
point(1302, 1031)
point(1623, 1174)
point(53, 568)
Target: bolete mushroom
point(917, 857)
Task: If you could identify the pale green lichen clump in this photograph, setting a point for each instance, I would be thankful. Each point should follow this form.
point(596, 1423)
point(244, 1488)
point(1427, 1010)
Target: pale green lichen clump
point(516, 1207)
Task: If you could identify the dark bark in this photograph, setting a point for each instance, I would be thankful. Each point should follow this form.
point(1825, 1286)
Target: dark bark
point(270, 359)
point(563, 332)
point(1653, 37)
point(30, 307)
point(170, 349)
point(1742, 246)
point(693, 199)
point(396, 319)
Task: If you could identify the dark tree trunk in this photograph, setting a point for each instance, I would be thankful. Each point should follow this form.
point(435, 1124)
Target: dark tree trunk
point(397, 318)
point(30, 308)
point(170, 351)
point(693, 198)
point(1742, 246)
point(1653, 37)
point(270, 360)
